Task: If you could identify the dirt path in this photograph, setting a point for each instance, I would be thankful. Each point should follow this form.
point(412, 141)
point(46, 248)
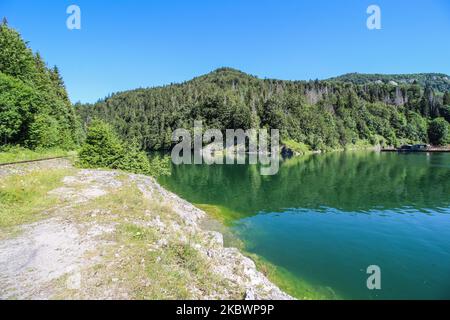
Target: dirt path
point(44, 252)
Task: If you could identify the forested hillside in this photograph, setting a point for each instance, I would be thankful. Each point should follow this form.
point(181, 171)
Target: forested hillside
point(437, 81)
point(321, 114)
point(35, 110)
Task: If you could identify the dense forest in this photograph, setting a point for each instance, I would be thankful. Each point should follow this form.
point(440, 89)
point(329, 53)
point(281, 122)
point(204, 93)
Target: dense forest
point(437, 81)
point(323, 115)
point(35, 110)
point(36, 114)
point(348, 111)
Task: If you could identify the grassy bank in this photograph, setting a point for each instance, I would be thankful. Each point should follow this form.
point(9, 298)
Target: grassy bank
point(130, 240)
point(15, 154)
point(149, 254)
point(24, 198)
point(148, 262)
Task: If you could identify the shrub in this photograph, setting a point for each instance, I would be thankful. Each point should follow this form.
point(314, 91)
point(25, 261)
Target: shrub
point(104, 149)
point(43, 132)
point(134, 160)
point(438, 131)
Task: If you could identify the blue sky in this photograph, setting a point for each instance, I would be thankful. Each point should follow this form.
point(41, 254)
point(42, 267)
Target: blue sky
point(128, 44)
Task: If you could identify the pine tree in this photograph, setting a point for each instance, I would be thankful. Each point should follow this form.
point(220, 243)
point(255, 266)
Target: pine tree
point(58, 84)
point(447, 98)
point(42, 78)
point(16, 59)
point(426, 103)
point(34, 108)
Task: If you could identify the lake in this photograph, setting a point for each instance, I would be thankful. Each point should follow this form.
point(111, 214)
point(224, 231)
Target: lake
point(323, 219)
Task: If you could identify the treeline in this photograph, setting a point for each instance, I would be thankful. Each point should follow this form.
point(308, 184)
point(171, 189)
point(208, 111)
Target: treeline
point(36, 113)
point(35, 110)
point(437, 81)
point(321, 114)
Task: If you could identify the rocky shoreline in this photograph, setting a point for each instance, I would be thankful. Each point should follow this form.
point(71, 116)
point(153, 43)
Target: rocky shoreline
point(70, 245)
point(228, 262)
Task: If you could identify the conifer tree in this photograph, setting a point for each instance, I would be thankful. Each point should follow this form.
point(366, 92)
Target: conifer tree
point(35, 110)
point(447, 98)
point(16, 59)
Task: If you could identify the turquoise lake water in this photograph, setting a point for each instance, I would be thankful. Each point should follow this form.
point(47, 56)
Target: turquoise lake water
point(323, 219)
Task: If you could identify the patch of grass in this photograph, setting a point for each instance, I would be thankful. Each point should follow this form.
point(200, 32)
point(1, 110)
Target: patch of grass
point(24, 198)
point(359, 145)
point(146, 262)
point(174, 271)
point(126, 204)
point(136, 234)
point(15, 154)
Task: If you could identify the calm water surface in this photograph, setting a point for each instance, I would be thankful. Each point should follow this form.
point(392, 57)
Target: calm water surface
point(323, 219)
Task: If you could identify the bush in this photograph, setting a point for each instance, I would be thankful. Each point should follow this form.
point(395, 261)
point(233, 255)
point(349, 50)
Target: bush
point(134, 160)
point(44, 132)
point(104, 149)
point(438, 132)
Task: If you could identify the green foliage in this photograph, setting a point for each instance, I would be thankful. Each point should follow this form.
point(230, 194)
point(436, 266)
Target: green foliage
point(446, 99)
point(437, 81)
point(104, 149)
point(297, 147)
point(134, 160)
point(322, 115)
point(16, 99)
point(24, 197)
point(438, 132)
point(43, 132)
point(31, 97)
point(16, 59)
point(160, 165)
point(445, 112)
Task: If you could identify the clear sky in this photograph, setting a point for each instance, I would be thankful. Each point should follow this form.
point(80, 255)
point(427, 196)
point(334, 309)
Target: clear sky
point(128, 44)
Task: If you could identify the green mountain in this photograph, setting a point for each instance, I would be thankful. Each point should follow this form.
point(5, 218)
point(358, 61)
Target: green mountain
point(350, 110)
point(35, 110)
point(324, 115)
point(437, 81)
